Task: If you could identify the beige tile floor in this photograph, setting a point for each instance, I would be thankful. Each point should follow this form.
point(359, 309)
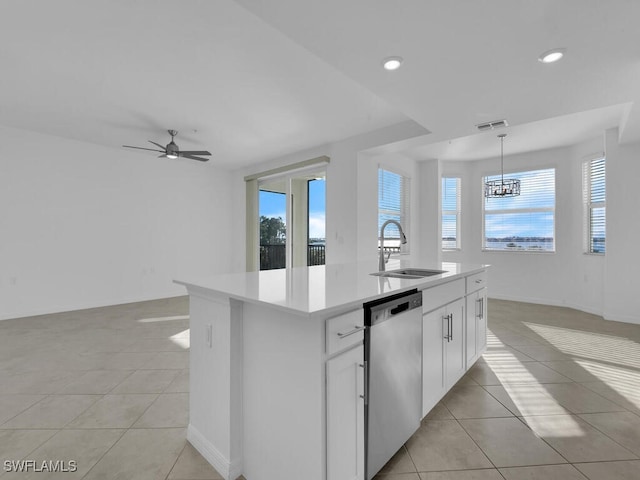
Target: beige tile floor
point(107, 388)
point(556, 396)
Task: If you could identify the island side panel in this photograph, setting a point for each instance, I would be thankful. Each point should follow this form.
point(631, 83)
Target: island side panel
point(284, 395)
point(215, 422)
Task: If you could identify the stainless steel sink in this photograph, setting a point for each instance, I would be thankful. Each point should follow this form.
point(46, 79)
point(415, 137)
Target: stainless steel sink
point(409, 273)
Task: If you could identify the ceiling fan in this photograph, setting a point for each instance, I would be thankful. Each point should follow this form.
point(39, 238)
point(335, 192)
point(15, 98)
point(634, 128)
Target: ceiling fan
point(172, 150)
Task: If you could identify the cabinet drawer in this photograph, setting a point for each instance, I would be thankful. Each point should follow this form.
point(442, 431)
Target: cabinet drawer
point(435, 297)
point(476, 281)
point(344, 331)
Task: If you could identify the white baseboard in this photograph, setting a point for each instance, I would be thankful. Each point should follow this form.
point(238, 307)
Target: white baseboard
point(228, 470)
point(87, 305)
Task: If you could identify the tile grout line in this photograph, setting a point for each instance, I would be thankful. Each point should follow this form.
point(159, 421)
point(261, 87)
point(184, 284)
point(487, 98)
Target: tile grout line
point(105, 453)
point(45, 396)
point(476, 444)
point(501, 384)
point(176, 460)
point(606, 435)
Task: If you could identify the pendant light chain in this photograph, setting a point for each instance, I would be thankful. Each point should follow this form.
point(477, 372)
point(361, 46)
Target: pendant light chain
point(502, 157)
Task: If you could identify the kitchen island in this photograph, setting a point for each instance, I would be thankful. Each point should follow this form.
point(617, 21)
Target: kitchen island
point(276, 381)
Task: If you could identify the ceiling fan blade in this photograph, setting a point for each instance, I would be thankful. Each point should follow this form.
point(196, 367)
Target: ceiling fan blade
point(195, 152)
point(161, 146)
point(194, 158)
point(142, 148)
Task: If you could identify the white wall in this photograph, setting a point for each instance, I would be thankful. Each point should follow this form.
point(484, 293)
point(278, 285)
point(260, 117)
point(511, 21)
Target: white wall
point(367, 198)
point(533, 277)
point(342, 190)
point(429, 188)
point(621, 298)
point(593, 283)
point(84, 226)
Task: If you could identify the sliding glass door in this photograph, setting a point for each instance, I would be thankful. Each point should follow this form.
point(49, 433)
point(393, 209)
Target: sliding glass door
point(272, 218)
point(291, 220)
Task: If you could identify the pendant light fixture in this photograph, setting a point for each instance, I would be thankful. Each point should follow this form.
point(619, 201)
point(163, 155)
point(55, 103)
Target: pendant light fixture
point(502, 188)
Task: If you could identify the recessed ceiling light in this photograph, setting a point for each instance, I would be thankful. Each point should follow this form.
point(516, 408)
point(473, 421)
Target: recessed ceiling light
point(392, 63)
point(551, 56)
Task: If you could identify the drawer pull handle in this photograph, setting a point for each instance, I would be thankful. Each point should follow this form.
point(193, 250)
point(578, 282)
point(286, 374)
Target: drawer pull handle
point(478, 281)
point(351, 332)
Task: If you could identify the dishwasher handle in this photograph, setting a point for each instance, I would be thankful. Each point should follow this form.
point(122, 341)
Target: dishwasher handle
point(400, 308)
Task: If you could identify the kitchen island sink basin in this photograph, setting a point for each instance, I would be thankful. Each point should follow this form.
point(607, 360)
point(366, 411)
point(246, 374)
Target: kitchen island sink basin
point(410, 273)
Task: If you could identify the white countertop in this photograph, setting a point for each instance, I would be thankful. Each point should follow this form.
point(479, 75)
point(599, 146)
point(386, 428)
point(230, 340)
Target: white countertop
point(323, 289)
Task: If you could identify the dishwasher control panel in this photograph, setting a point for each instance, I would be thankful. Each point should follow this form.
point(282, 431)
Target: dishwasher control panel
point(394, 306)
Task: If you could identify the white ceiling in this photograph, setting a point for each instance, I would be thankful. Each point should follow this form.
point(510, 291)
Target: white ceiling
point(540, 135)
point(123, 72)
point(253, 79)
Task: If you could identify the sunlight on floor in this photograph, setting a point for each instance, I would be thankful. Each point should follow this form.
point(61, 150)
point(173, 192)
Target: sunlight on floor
point(615, 361)
point(530, 396)
point(500, 354)
point(624, 393)
point(607, 373)
point(532, 399)
point(181, 339)
point(512, 372)
point(163, 319)
point(596, 346)
point(555, 426)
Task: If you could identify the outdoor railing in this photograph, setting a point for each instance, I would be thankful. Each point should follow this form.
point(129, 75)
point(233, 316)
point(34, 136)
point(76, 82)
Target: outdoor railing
point(315, 255)
point(274, 256)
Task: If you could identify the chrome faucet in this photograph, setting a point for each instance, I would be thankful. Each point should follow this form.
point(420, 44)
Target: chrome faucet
point(381, 260)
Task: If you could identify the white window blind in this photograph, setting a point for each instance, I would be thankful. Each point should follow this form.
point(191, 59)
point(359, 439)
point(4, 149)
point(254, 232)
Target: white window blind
point(594, 194)
point(393, 204)
point(451, 213)
point(525, 222)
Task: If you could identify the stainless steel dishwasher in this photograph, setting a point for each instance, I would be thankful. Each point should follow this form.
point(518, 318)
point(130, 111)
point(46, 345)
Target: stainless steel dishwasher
point(393, 355)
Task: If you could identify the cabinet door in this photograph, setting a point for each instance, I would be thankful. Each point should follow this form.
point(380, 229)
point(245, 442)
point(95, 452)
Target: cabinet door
point(433, 380)
point(454, 345)
point(345, 416)
point(471, 342)
point(481, 321)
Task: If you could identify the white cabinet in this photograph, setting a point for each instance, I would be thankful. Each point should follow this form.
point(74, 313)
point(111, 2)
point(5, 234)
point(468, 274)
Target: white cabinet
point(481, 322)
point(442, 352)
point(345, 415)
point(454, 344)
point(476, 325)
point(433, 381)
point(344, 331)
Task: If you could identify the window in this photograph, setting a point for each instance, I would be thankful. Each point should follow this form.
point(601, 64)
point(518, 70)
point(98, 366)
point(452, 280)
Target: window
point(393, 204)
point(291, 210)
point(594, 195)
point(525, 222)
point(450, 213)
point(285, 216)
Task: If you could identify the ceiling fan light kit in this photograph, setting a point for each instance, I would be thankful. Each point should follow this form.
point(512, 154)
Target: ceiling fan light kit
point(173, 151)
point(502, 188)
point(551, 56)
